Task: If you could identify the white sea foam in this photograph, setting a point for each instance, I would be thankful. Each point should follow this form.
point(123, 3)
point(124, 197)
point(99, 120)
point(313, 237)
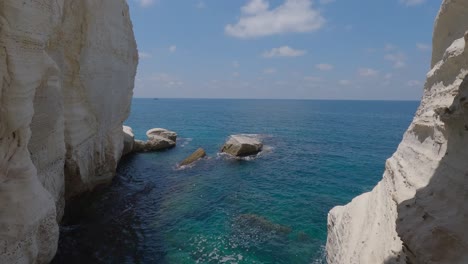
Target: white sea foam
point(266, 150)
point(212, 248)
point(322, 258)
point(185, 141)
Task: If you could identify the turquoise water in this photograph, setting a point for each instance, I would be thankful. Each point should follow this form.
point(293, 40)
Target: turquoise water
point(270, 209)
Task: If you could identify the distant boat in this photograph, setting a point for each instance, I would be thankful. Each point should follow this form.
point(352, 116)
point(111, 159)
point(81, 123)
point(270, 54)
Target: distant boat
point(155, 99)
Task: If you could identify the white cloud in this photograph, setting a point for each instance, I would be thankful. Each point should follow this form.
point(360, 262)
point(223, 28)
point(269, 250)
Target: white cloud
point(269, 71)
point(344, 82)
point(388, 76)
point(367, 72)
point(324, 67)
point(414, 83)
point(201, 5)
point(412, 2)
point(258, 20)
point(165, 80)
point(172, 48)
point(145, 3)
point(423, 47)
point(235, 74)
point(398, 59)
point(284, 51)
point(312, 78)
point(255, 7)
point(389, 47)
point(144, 55)
point(235, 64)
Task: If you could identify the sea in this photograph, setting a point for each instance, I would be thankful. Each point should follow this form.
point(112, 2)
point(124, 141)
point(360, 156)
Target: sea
point(270, 208)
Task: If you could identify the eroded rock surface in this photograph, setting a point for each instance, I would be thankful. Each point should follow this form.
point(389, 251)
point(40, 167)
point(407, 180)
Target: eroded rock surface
point(162, 132)
point(242, 145)
point(129, 140)
point(67, 69)
point(198, 154)
point(156, 143)
point(418, 213)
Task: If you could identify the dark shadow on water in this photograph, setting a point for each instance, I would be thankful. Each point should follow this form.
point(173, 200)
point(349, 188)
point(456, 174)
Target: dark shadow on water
point(103, 226)
point(433, 224)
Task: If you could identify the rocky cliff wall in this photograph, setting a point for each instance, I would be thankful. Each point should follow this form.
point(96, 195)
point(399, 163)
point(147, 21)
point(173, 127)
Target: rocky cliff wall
point(67, 70)
point(418, 212)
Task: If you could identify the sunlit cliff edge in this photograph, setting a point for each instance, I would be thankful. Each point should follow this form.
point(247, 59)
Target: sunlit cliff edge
point(67, 71)
point(418, 212)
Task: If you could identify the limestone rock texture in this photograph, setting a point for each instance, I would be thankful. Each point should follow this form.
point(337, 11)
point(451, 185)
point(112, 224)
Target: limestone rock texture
point(195, 156)
point(67, 70)
point(242, 146)
point(418, 212)
point(129, 140)
point(155, 143)
point(162, 132)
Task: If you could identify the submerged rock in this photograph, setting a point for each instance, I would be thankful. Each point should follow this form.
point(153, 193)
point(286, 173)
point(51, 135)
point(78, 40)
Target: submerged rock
point(129, 140)
point(198, 154)
point(162, 132)
point(251, 223)
point(303, 237)
point(241, 146)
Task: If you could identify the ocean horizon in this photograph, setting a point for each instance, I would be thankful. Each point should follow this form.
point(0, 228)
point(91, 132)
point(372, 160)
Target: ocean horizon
point(277, 99)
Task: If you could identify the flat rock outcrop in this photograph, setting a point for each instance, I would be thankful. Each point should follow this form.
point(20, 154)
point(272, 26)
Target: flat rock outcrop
point(198, 154)
point(162, 132)
point(158, 139)
point(67, 69)
point(418, 212)
point(242, 146)
point(156, 143)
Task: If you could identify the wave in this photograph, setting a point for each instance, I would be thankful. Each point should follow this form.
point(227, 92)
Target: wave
point(322, 258)
point(184, 141)
point(257, 136)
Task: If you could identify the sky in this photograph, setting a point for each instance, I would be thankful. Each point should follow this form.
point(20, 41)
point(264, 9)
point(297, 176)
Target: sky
point(283, 49)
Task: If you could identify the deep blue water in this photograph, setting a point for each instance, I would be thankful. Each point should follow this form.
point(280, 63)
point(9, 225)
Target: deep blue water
point(318, 154)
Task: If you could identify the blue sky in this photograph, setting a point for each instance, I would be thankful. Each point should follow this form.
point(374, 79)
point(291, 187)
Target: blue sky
point(287, 49)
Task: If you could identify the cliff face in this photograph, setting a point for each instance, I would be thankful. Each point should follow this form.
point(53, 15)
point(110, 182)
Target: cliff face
point(418, 212)
point(67, 69)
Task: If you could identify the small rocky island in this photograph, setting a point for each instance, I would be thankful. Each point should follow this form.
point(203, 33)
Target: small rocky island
point(242, 146)
point(197, 155)
point(159, 139)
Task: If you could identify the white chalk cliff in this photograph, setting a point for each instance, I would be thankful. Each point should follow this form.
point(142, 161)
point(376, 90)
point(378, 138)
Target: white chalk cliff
point(67, 70)
point(418, 213)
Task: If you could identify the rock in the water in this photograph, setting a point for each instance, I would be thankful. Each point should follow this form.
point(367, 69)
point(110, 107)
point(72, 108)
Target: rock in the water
point(139, 145)
point(158, 139)
point(156, 143)
point(198, 154)
point(129, 140)
point(162, 133)
point(260, 225)
point(159, 143)
point(241, 146)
